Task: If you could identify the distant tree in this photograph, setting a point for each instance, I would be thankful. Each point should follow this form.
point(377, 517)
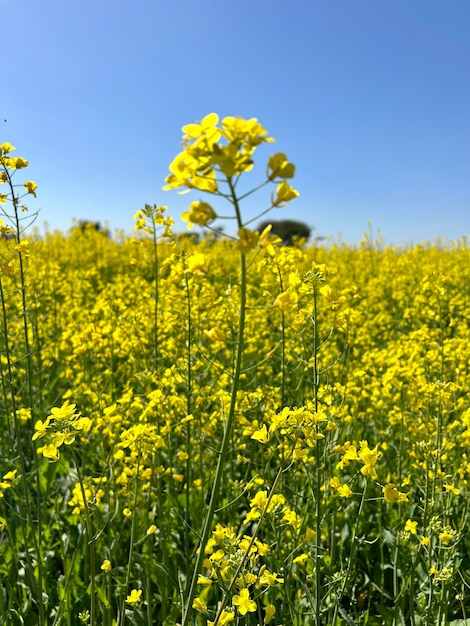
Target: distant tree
point(87, 225)
point(287, 230)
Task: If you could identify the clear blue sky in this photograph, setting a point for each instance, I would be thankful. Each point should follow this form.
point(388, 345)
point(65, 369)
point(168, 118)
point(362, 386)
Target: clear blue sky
point(369, 98)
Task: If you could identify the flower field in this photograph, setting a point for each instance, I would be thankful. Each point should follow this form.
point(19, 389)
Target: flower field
point(230, 431)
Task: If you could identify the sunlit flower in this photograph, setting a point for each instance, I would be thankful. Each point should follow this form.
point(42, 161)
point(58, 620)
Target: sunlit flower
point(244, 603)
point(134, 596)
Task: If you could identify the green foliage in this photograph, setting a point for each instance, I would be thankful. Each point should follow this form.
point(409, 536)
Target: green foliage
point(289, 231)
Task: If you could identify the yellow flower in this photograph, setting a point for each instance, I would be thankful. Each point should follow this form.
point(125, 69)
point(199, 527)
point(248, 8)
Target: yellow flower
point(391, 494)
point(261, 435)
point(151, 529)
point(369, 458)
point(6, 147)
point(279, 167)
point(50, 452)
point(134, 596)
point(301, 558)
point(247, 239)
point(286, 300)
point(197, 264)
point(225, 618)
point(270, 578)
point(269, 614)
point(216, 335)
point(248, 132)
point(199, 605)
point(445, 537)
point(106, 566)
point(344, 491)
point(411, 527)
point(10, 475)
point(17, 163)
point(31, 187)
point(127, 512)
point(451, 489)
point(284, 194)
point(200, 213)
point(267, 241)
point(41, 428)
point(23, 247)
point(244, 603)
point(207, 127)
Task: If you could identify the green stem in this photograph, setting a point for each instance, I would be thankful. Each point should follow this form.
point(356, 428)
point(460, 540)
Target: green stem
point(221, 463)
point(155, 320)
point(90, 542)
point(224, 601)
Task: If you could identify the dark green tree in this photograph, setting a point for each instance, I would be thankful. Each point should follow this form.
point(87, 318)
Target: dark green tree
point(287, 230)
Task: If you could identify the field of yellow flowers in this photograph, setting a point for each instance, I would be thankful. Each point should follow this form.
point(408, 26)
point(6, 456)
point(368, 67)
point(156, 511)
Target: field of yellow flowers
point(232, 431)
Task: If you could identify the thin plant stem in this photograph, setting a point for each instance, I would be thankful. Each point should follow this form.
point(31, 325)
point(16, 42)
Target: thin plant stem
point(221, 462)
point(90, 541)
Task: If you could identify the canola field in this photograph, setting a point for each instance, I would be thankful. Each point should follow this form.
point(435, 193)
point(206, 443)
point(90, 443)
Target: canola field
point(230, 431)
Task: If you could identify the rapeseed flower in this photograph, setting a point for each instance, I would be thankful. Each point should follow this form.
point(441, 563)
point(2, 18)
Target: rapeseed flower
point(243, 602)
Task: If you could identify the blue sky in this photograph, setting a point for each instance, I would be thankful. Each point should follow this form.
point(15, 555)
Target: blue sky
point(369, 98)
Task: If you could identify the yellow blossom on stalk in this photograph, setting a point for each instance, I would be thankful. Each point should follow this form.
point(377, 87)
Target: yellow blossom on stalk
point(343, 490)
point(270, 578)
point(279, 167)
point(247, 239)
point(210, 148)
point(267, 241)
point(200, 213)
point(269, 613)
point(450, 488)
point(244, 603)
point(284, 194)
point(187, 171)
point(50, 452)
point(216, 335)
point(207, 128)
point(106, 566)
point(3, 198)
point(248, 132)
point(261, 435)
point(199, 605)
point(301, 558)
point(197, 263)
point(6, 147)
point(286, 300)
point(225, 618)
point(16, 163)
point(31, 187)
point(23, 247)
point(369, 458)
point(445, 537)
point(134, 596)
point(60, 427)
point(11, 475)
point(391, 494)
point(411, 527)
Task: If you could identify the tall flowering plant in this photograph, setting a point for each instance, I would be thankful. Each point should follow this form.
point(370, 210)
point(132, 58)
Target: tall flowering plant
point(216, 153)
